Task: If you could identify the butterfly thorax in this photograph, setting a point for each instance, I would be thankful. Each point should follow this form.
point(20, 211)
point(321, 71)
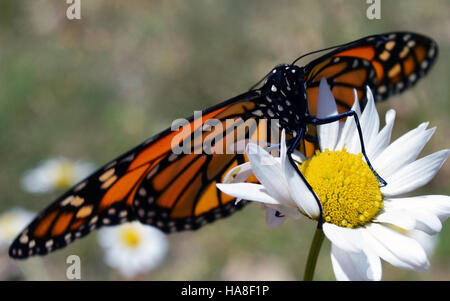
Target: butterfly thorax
point(285, 94)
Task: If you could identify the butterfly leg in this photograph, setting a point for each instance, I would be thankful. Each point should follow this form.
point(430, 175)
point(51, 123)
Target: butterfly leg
point(351, 113)
point(290, 150)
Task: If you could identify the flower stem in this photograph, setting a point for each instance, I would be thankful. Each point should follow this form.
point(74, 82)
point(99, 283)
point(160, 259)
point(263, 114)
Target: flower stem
point(313, 254)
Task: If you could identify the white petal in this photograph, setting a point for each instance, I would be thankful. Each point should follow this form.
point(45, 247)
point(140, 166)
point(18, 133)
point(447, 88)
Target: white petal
point(291, 212)
point(402, 151)
point(349, 266)
point(415, 174)
point(298, 156)
point(326, 107)
point(303, 197)
point(248, 191)
point(268, 171)
point(271, 219)
point(422, 219)
point(427, 242)
point(370, 122)
point(397, 218)
point(297, 188)
point(239, 173)
point(300, 193)
point(373, 245)
point(347, 138)
point(341, 128)
point(381, 141)
point(37, 181)
point(426, 222)
point(346, 239)
point(438, 205)
point(397, 249)
point(283, 152)
point(12, 222)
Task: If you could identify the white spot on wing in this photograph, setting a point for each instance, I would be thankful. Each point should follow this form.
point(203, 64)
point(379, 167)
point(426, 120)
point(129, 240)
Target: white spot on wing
point(431, 52)
point(49, 243)
point(23, 239)
point(258, 113)
point(424, 64)
point(172, 157)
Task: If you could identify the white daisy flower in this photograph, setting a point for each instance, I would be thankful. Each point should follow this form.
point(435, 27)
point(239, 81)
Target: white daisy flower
point(55, 174)
point(363, 221)
point(133, 248)
point(12, 222)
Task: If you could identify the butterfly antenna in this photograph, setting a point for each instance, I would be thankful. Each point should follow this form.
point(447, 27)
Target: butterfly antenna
point(260, 81)
point(297, 59)
point(324, 49)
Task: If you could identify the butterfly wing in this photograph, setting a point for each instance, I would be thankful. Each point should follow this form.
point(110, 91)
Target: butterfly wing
point(182, 186)
point(180, 193)
point(100, 199)
point(387, 63)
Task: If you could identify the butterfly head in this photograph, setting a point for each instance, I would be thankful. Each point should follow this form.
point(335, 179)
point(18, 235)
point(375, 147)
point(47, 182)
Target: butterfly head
point(286, 76)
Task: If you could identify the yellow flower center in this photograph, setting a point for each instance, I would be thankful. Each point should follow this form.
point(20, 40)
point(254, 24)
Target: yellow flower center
point(348, 190)
point(64, 175)
point(130, 236)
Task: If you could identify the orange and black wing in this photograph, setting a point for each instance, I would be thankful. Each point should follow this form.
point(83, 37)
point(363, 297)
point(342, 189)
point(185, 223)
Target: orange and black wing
point(177, 190)
point(179, 193)
point(387, 63)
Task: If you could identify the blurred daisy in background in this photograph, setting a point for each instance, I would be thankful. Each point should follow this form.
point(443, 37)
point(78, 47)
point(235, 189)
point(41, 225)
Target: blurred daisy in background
point(56, 174)
point(12, 222)
point(363, 221)
point(133, 248)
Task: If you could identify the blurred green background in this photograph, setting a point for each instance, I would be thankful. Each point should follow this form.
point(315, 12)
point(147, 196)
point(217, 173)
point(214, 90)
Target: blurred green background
point(93, 88)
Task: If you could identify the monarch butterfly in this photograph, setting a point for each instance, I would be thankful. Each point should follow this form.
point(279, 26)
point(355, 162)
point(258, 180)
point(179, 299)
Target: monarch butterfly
point(174, 192)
